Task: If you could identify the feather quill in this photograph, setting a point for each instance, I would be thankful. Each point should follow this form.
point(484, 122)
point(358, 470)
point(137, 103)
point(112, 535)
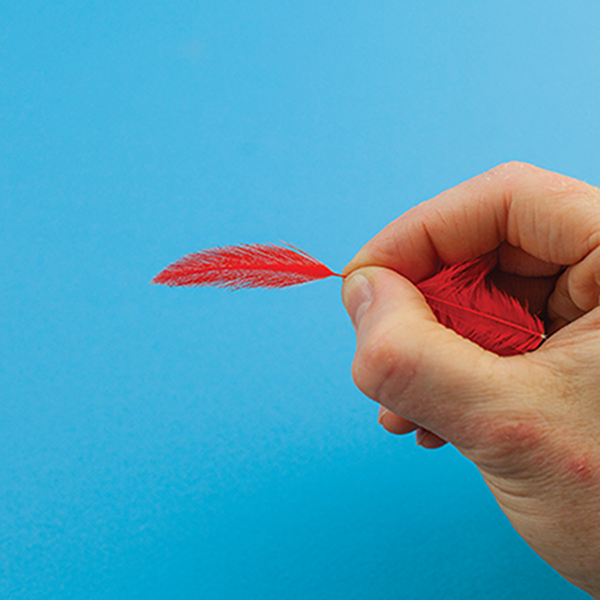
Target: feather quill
point(460, 296)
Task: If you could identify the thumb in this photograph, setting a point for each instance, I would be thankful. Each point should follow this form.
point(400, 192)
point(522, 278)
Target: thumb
point(412, 365)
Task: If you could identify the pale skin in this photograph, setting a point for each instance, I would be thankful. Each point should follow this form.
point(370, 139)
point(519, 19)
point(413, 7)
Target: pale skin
point(531, 423)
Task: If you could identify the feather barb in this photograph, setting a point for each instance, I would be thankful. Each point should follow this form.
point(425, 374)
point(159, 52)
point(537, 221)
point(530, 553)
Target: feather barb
point(245, 266)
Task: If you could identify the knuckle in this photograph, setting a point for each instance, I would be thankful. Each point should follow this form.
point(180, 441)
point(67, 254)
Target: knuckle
point(517, 435)
point(511, 167)
point(381, 370)
point(512, 444)
point(517, 165)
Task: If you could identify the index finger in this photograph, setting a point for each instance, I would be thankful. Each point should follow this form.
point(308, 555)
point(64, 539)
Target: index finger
point(549, 216)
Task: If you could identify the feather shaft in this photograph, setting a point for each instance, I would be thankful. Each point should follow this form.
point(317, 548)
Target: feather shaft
point(432, 299)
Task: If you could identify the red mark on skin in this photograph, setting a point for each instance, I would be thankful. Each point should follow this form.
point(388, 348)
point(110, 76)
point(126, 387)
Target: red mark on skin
point(512, 447)
point(512, 437)
point(583, 467)
point(535, 450)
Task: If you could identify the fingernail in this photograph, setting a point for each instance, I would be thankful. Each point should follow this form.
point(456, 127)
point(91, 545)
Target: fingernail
point(420, 435)
point(358, 294)
point(382, 412)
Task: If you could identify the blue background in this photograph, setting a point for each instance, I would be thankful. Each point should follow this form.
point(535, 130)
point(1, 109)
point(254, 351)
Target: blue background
point(176, 443)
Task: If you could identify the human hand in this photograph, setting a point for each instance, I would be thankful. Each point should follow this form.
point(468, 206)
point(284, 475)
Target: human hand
point(531, 423)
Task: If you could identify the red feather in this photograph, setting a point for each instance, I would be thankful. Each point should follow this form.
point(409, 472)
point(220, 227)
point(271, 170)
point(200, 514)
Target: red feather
point(245, 266)
point(460, 296)
point(464, 300)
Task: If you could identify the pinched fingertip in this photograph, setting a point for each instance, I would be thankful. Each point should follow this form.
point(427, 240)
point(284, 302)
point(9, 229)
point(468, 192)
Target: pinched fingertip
point(357, 295)
point(393, 423)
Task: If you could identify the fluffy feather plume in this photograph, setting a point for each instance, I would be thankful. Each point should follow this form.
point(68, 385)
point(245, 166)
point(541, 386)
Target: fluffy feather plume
point(463, 300)
point(245, 266)
point(460, 296)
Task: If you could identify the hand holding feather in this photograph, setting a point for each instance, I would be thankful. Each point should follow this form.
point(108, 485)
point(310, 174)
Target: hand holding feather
point(531, 424)
point(461, 296)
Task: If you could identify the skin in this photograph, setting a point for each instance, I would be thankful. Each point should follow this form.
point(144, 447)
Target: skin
point(531, 423)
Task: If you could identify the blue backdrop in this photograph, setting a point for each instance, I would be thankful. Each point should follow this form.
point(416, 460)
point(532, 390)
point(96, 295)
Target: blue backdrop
point(172, 443)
